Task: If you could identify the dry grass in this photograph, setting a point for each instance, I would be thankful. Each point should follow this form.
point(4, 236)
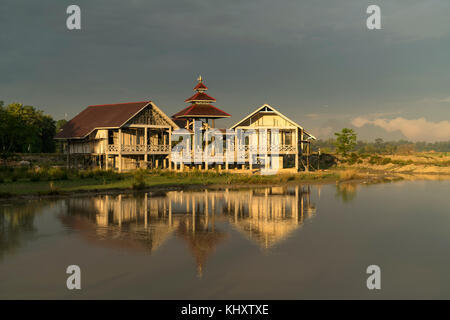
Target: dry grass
point(349, 174)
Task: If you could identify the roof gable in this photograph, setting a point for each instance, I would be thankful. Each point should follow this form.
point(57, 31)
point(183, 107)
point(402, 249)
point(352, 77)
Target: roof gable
point(272, 109)
point(104, 116)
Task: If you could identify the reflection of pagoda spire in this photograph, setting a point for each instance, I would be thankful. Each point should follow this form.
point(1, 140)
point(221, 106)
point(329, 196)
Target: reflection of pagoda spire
point(201, 242)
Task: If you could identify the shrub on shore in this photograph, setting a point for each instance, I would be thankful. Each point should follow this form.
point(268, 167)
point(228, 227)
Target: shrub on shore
point(139, 180)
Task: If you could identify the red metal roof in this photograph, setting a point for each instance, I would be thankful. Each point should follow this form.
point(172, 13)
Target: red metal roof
point(200, 96)
point(200, 86)
point(100, 116)
point(201, 111)
point(180, 122)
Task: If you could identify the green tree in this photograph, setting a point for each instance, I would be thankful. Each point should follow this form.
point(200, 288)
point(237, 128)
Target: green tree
point(60, 124)
point(25, 129)
point(345, 141)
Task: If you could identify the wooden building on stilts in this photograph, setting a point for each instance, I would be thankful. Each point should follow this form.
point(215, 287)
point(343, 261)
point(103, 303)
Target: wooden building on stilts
point(133, 135)
point(119, 136)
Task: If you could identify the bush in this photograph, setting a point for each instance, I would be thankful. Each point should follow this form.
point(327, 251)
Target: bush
point(375, 160)
point(34, 176)
point(139, 180)
point(55, 174)
point(353, 158)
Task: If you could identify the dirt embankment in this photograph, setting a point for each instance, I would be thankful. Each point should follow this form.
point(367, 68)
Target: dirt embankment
point(421, 163)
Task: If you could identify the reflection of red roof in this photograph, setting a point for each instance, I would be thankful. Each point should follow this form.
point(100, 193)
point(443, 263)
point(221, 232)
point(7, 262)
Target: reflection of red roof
point(200, 86)
point(100, 116)
point(201, 111)
point(200, 96)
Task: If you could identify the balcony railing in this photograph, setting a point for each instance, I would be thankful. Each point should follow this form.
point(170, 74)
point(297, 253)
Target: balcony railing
point(163, 148)
point(270, 148)
point(138, 148)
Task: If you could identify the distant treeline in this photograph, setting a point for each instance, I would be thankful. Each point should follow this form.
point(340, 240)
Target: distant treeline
point(25, 129)
point(385, 147)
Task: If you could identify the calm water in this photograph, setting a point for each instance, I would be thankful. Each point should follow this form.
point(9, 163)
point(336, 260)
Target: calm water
point(266, 243)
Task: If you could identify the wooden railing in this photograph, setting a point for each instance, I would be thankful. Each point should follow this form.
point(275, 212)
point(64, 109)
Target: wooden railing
point(138, 148)
point(158, 148)
point(162, 148)
point(270, 148)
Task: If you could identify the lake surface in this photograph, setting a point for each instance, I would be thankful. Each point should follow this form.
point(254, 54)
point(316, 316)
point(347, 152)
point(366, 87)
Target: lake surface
point(290, 242)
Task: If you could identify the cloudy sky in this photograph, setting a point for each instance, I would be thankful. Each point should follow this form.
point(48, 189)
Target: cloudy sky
point(315, 60)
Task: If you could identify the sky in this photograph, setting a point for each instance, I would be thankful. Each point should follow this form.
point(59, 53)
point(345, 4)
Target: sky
point(314, 60)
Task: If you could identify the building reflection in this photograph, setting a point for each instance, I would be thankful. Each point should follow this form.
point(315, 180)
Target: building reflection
point(265, 216)
point(269, 215)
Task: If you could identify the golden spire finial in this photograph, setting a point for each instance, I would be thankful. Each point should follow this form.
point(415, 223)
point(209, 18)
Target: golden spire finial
point(200, 79)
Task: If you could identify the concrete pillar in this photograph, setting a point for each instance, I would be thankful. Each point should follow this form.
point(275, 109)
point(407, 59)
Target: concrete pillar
point(296, 148)
point(205, 154)
point(181, 163)
point(146, 146)
point(235, 150)
point(280, 162)
point(170, 149)
point(106, 150)
point(120, 150)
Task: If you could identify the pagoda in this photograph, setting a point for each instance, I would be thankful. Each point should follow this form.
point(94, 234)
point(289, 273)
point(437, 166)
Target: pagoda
point(200, 109)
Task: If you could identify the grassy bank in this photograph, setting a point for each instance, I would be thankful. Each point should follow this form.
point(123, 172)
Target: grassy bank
point(61, 181)
point(18, 181)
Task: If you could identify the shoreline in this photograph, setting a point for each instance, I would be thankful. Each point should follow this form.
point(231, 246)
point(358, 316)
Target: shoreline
point(365, 177)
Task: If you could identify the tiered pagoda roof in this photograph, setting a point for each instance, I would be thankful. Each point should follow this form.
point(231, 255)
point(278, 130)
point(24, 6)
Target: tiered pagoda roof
point(200, 97)
point(200, 106)
point(201, 110)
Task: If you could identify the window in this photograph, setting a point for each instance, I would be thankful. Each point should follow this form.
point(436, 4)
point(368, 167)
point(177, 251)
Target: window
point(110, 137)
point(288, 138)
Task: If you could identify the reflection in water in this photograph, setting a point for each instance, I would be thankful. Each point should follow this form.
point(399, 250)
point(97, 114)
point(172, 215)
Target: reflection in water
point(16, 225)
point(266, 216)
point(346, 191)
